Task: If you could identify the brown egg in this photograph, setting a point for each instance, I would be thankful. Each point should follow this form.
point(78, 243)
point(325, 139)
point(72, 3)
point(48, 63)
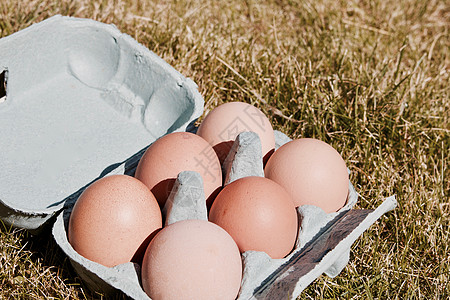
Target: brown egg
point(312, 172)
point(113, 220)
point(174, 153)
point(221, 126)
point(192, 259)
point(259, 214)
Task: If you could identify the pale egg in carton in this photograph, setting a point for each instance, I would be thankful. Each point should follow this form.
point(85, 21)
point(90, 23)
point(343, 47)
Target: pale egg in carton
point(88, 100)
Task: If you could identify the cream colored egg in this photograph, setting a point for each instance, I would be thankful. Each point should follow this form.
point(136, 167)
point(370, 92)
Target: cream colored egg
point(222, 125)
point(192, 259)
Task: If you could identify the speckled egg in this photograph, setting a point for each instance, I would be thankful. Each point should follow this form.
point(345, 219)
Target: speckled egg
point(259, 214)
point(113, 220)
point(174, 153)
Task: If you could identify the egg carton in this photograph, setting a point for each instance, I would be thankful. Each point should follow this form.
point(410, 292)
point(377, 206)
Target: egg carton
point(82, 101)
point(77, 99)
point(323, 242)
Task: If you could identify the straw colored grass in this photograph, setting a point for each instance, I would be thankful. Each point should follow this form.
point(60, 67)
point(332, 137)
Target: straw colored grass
point(369, 77)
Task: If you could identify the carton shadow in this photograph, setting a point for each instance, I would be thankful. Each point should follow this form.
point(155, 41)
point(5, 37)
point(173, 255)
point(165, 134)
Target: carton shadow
point(45, 251)
point(310, 255)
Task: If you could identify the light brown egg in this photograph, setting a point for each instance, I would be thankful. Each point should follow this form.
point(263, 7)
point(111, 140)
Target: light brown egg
point(174, 153)
point(222, 125)
point(113, 220)
point(312, 172)
point(259, 214)
point(192, 259)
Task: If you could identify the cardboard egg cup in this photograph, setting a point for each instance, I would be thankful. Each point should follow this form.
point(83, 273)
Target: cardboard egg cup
point(82, 101)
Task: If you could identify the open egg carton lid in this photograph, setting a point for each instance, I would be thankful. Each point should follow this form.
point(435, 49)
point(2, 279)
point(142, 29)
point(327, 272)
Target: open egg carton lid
point(77, 99)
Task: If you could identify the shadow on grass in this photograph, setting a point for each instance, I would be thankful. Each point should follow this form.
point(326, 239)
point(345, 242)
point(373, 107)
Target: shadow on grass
point(44, 249)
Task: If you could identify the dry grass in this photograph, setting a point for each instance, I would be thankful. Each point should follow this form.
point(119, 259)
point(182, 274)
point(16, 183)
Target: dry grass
point(369, 77)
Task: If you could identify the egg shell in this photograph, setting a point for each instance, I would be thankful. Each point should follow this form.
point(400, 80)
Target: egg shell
point(174, 153)
point(192, 259)
point(113, 220)
point(312, 172)
point(221, 126)
point(259, 214)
